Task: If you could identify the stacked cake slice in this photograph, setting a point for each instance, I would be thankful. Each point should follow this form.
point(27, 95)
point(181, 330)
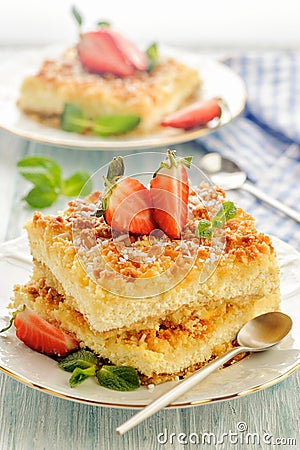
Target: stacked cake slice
point(157, 313)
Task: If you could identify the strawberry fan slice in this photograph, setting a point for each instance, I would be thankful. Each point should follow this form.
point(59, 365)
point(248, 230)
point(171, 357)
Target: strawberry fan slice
point(105, 51)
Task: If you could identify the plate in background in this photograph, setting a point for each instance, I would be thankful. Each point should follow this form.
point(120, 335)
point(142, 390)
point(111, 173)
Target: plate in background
point(218, 81)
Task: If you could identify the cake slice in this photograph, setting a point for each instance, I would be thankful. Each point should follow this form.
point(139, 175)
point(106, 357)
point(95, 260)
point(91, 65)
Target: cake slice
point(165, 307)
point(148, 95)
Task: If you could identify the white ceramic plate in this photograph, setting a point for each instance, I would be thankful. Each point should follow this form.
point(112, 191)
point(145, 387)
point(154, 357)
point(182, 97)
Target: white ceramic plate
point(218, 81)
point(254, 372)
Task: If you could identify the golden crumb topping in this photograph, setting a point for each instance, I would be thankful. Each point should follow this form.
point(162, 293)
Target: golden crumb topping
point(68, 71)
point(149, 256)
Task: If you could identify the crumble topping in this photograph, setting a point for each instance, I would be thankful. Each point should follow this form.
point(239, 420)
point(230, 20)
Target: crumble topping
point(68, 69)
point(48, 293)
point(149, 256)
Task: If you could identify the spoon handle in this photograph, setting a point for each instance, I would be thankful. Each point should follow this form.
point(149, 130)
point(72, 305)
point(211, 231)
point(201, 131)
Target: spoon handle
point(181, 388)
point(271, 201)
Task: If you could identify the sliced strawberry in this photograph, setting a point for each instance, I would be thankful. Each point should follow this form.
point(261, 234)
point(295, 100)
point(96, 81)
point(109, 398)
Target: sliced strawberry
point(107, 51)
point(42, 336)
point(194, 115)
point(135, 56)
point(126, 203)
point(98, 52)
point(169, 191)
point(129, 208)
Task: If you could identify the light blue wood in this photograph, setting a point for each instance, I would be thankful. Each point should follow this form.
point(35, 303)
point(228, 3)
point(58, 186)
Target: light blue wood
point(33, 420)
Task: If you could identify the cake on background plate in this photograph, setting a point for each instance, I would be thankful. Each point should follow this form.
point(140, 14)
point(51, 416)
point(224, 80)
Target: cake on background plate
point(105, 76)
point(149, 96)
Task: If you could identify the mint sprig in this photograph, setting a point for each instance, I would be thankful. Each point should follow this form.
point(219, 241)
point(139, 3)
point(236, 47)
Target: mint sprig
point(40, 171)
point(84, 364)
point(73, 120)
point(227, 211)
point(206, 227)
point(119, 124)
point(80, 181)
point(82, 359)
point(80, 375)
point(41, 197)
point(119, 378)
point(46, 176)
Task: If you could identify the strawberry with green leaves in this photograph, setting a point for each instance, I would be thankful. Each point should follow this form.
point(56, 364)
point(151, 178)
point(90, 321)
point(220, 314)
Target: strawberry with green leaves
point(169, 191)
point(126, 204)
point(106, 51)
point(40, 335)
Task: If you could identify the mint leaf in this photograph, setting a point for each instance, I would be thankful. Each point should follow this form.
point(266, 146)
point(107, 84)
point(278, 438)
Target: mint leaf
point(230, 210)
point(82, 359)
point(79, 375)
point(41, 197)
point(73, 120)
point(118, 378)
point(82, 363)
point(77, 16)
point(45, 174)
point(204, 229)
point(78, 183)
point(227, 211)
point(40, 171)
point(108, 125)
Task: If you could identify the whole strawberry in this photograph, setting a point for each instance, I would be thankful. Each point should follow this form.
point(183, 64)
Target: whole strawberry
point(126, 204)
point(169, 191)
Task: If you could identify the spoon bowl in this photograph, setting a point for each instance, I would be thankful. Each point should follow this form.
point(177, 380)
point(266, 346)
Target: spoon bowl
point(257, 335)
point(227, 174)
point(264, 331)
point(222, 171)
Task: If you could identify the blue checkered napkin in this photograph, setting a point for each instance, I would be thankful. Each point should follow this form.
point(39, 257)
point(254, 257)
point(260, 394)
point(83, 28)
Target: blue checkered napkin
point(265, 141)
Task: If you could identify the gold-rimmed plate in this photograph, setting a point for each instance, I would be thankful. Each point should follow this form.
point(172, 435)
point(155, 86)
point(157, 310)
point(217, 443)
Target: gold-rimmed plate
point(218, 81)
point(252, 373)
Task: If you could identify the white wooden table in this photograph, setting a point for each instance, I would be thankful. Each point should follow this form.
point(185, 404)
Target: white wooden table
point(30, 419)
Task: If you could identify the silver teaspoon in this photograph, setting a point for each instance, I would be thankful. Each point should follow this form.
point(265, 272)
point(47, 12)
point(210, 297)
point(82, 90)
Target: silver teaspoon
point(257, 335)
point(228, 175)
